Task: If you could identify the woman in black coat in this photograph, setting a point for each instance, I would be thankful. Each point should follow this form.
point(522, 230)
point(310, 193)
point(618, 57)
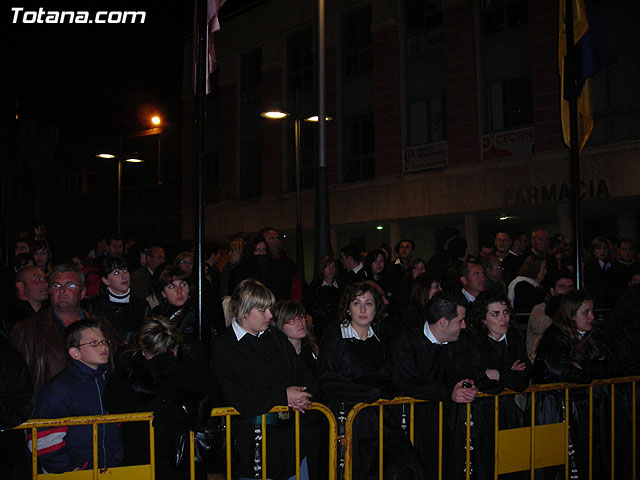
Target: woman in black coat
point(116, 304)
point(572, 350)
point(355, 367)
point(159, 375)
point(496, 358)
point(172, 290)
point(598, 279)
point(258, 369)
point(324, 294)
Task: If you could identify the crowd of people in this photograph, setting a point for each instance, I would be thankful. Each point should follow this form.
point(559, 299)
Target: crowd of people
point(117, 331)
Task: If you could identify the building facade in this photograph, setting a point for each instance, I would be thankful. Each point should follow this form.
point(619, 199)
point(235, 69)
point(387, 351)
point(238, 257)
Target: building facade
point(445, 114)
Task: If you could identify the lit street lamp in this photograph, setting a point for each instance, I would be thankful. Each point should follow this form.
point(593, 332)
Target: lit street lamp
point(120, 158)
point(278, 115)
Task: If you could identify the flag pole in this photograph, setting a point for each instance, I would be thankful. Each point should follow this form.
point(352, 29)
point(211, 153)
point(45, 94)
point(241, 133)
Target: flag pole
point(322, 243)
point(574, 149)
point(201, 80)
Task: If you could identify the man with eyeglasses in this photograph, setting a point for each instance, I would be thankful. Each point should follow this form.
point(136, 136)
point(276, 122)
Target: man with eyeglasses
point(40, 337)
point(32, 292)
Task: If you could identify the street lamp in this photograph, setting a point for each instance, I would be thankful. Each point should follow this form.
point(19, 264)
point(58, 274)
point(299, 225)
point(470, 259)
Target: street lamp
point(276, 114)
point(121, 157)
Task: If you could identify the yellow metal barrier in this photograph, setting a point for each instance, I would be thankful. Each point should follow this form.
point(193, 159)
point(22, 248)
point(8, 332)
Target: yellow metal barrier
point(513, 447)
point(143, 472)
point(517, 449)
point(136, 472)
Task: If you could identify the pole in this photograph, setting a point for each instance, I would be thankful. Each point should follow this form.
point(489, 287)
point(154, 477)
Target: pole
point(201, 79)
point(574, 149)
point(119, 194)
point(299, 239)
point(322, 244)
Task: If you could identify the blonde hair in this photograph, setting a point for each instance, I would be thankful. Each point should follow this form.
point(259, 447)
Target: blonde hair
point(249, 294)
point(158, 335)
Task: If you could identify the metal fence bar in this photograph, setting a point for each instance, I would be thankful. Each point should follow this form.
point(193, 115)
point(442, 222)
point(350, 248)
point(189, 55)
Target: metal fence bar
point(34, 453)
point(263, 424)
point(94, 436)
point(468, 443)
point(496, 436)
point(297, 434)
point(532, 449)
point(440, 443)
point(590, 432)
point(566, 434)
point(613, 431)
point(192, 461)
point(634, 445)
point(381, 442)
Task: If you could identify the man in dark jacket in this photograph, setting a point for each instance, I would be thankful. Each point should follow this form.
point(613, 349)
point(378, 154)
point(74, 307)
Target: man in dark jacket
point(280, 277)
point(40, 338)
point(32, 293)
point(16, 405)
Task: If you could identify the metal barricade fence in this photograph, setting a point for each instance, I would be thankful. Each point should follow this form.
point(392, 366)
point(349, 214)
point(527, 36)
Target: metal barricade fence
point(513, 450)
point(143, 472)
point(136, 472)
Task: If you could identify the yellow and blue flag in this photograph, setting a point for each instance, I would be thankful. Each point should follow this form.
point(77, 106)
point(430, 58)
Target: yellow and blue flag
point(592, 53)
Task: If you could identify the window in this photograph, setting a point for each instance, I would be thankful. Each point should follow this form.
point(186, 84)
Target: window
point(616, 89)
point(356, 42)
point(508, 104)
point(427, 121)
point(250, 142)
point(423, 15)
point(308, 150)
point(212, 182)
point(425, 100)
point(300, 62)
point(500, 15)
point(359, 158)
point(302, 101)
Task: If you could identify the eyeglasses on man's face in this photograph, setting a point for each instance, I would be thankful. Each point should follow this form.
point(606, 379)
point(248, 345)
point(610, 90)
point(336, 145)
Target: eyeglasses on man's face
point(96, 343)
point(67, 286)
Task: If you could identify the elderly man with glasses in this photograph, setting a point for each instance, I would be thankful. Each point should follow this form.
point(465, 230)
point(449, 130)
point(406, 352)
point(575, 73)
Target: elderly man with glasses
point(40, 337)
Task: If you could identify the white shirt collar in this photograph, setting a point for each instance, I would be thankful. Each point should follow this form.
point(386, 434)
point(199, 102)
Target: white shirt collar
point(241, 332)
point(430, 336)
point(470, 298)
point(503, 337)
point(334, 284)
point(349, 332)
point(357, 268)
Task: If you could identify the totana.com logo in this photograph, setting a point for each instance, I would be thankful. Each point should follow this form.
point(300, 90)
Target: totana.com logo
point(20, 15)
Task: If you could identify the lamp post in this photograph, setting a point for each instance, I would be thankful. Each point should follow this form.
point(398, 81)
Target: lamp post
point(120, 158)
point(276, 114)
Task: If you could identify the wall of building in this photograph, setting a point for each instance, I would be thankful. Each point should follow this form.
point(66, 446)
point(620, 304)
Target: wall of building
point(520, 173)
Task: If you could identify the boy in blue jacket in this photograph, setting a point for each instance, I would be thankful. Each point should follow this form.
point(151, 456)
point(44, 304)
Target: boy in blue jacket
point(77, 391)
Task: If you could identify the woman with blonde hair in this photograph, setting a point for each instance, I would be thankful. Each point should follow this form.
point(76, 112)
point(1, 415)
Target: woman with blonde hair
point(160, 375)
point(258, 369)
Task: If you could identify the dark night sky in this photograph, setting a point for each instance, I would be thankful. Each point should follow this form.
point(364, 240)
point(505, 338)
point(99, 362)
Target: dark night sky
point(95, 79)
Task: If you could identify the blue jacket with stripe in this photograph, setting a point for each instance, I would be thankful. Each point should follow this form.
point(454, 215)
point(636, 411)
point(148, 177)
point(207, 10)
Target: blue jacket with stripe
point(76, 391)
